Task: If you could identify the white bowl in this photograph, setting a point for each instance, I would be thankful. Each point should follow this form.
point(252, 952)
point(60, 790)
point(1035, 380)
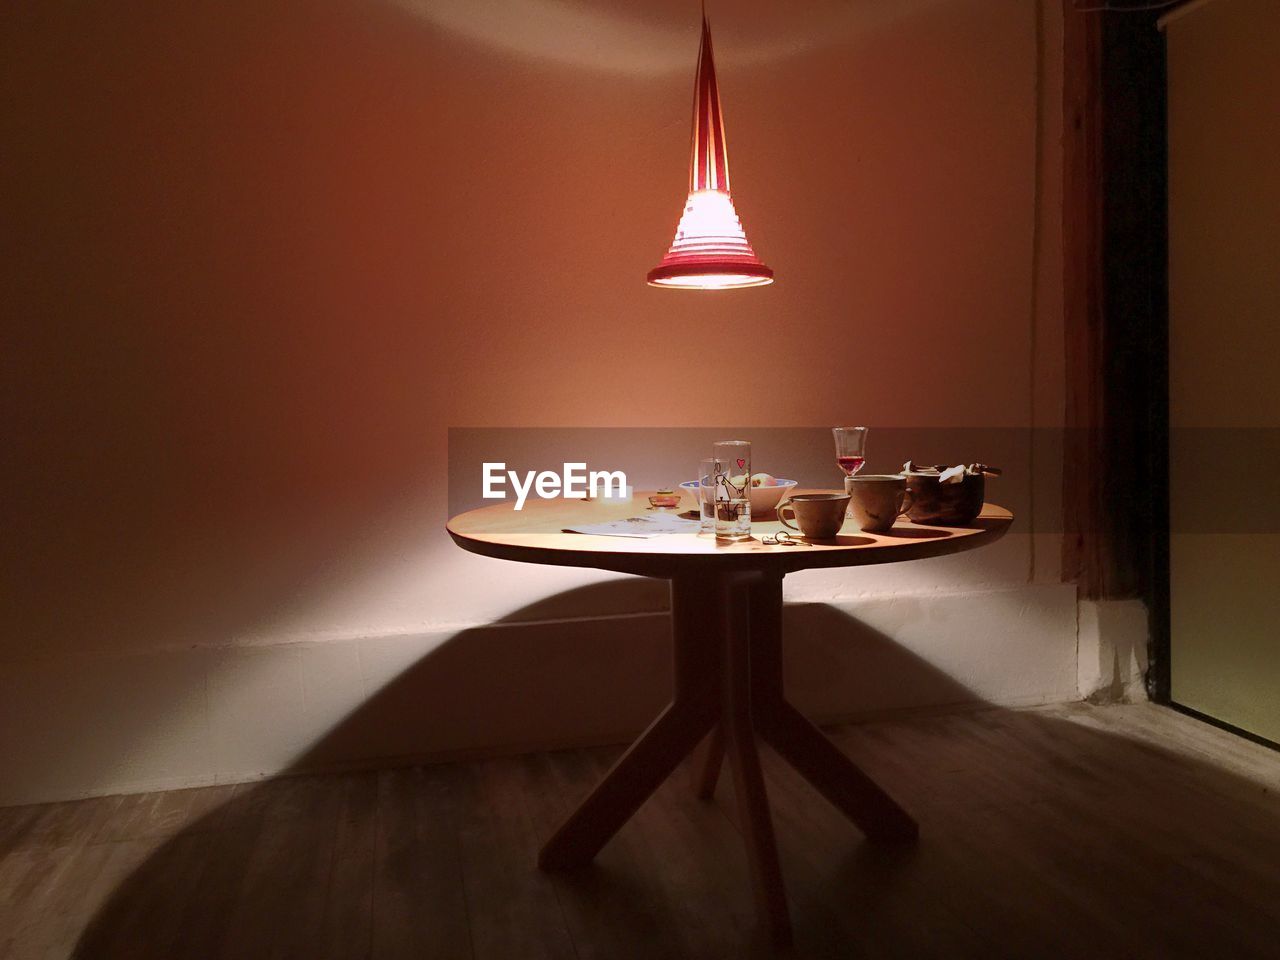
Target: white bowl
point(763, 499)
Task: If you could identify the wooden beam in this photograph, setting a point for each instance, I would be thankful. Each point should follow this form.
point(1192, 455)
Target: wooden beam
point(1082, 214)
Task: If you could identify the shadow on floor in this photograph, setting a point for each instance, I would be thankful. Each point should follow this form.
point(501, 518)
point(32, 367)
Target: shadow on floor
point(1080, 831)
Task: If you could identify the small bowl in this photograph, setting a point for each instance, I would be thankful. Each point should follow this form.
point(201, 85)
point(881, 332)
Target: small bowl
point(763, 499)
point(665, 501)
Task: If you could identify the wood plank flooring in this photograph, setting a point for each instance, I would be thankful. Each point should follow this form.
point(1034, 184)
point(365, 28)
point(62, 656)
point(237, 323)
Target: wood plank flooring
point(1071, 831)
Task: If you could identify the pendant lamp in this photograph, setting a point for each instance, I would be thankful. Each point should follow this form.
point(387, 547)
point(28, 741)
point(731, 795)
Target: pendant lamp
point(710, 251)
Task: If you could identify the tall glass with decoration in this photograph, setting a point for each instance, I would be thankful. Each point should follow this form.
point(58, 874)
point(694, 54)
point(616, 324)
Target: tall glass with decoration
point(732, 489)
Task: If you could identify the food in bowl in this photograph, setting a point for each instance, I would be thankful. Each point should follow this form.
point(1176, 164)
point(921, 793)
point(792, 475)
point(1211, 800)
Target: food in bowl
point(766, 491)
point(665, 500)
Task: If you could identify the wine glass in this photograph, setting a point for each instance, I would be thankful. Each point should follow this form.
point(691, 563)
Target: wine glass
point(851, 448)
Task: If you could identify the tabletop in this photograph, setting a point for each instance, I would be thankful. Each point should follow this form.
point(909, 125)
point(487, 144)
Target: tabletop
point(536, 534)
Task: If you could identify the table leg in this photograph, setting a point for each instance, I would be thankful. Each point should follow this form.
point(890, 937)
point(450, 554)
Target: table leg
point(707, 767)
point(639, 772)
point(835, 776)
point(801, 743)
point(728, 682)
point(749, 789)
point(695, 707)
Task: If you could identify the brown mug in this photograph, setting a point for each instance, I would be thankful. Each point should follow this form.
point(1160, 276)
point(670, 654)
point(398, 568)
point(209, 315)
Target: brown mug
point(877, 500)
point(819, 515)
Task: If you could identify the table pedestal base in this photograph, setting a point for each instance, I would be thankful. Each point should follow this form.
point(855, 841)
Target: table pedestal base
point(728, 691)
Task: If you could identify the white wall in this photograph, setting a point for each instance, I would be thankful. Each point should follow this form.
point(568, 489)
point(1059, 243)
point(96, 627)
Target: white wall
point(167, 718)
point(269, 254)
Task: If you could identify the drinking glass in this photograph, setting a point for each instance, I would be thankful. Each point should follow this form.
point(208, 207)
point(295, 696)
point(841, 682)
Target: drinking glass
point(851, 448)
point(731, 490)
point(708, 469)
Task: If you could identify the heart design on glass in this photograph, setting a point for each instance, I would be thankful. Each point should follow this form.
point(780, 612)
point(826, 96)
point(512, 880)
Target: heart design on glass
point(741, 463)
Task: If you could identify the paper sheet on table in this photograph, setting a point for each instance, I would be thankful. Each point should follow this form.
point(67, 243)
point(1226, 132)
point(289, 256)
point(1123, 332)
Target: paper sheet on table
point(642, 527)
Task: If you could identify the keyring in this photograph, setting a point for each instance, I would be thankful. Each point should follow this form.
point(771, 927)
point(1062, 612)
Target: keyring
point(780, 539)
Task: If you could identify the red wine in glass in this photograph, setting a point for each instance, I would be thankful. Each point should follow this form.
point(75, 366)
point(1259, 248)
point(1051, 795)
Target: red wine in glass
point(851, 448)
point(850, 465)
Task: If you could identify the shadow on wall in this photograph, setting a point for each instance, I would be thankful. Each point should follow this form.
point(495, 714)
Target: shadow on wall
point(438, 861)
point(652, 38)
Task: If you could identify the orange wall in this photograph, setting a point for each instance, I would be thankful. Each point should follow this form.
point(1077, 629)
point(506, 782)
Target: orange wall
point(262, 255)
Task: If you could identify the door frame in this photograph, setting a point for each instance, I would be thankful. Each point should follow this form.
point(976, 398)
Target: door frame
point(1115, 250)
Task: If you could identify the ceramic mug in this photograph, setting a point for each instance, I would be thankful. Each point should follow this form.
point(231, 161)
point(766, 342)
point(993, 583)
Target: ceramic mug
point(877, 500)
point(819, 516)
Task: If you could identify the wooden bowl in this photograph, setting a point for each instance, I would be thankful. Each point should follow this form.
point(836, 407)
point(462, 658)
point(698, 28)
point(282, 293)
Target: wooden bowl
point(945, 504)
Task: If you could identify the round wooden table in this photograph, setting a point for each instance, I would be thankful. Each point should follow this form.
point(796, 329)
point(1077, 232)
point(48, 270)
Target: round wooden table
point(726, 610)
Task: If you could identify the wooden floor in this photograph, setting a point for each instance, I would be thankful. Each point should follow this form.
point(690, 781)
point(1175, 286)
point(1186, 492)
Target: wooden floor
point(1074, 831)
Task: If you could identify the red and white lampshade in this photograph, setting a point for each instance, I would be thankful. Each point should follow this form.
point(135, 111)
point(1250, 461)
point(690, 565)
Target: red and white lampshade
point(710, 251)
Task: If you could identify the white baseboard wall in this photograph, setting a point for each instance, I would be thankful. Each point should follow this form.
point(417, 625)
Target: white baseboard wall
point(205, 715)
point(1113, 651)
